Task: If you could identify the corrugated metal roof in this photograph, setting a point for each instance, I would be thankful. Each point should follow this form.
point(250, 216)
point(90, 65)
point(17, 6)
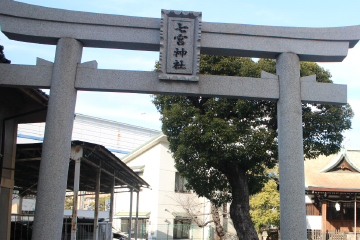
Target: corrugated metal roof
point(94, 157)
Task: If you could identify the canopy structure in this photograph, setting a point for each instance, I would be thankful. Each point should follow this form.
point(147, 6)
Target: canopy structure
point(93, 158)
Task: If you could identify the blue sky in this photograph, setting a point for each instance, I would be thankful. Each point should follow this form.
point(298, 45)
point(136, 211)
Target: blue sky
point(130, 108)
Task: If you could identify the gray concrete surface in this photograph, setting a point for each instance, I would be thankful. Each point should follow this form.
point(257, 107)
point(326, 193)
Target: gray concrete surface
point(57, 142)
point(291, 157)
point(24, 22)
point(325, 93)
point(13, 75)
point(148, 82)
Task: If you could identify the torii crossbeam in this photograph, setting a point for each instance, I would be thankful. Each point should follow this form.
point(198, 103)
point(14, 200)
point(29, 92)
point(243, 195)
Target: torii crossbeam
point(71, 31)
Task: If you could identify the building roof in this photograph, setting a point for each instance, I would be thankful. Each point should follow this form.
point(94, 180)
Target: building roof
point(93, 158)
point(126, 214)
point(143, 148)
point(337, 173)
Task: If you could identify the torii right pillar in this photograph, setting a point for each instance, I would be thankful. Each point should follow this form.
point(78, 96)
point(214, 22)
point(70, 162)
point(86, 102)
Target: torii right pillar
point(291, 157)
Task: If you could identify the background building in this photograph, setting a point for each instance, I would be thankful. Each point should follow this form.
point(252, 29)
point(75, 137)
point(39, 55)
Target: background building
point(332, 192)
point(118, 138)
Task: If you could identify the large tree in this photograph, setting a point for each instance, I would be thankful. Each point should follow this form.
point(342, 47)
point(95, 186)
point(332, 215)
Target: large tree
point(222, 146)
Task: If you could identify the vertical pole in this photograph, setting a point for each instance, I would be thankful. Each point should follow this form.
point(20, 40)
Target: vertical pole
point(96, 213)
point(167, 232)
point(137, 214)
point(111, 213)
point(355, 216)
point(57, 141)
point(142, 230)
point(323, 216)
point(130, 212)
point(291, 158)
point(20, 204)
point(209, 232)
point(75, 200)
point(191, 232)
point(7, 166)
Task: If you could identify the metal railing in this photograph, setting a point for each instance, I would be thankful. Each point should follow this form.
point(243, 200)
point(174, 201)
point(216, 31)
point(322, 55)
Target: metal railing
point(148, 231)
point(21, 226)
point(142, 229)
point(332, 235)
point(180, 231)
point(85, 231)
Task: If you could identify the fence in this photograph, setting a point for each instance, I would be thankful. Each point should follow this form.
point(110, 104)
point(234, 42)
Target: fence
point(167, 231)
point(85, 231)
point(332, 235)
point(21, 226)
point(180, 231)
point(142, 229)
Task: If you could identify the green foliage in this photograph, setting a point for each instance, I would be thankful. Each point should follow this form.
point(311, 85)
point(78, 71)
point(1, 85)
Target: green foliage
point(265, 206)
point(69, 202)
point(210, 135)
point(102, 202)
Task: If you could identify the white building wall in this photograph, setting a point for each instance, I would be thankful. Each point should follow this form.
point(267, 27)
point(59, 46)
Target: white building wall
point(308, 198)
point(314, 222)
point(161, 201)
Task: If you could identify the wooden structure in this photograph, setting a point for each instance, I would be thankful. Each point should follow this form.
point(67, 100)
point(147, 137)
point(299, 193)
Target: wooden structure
point(332, 190)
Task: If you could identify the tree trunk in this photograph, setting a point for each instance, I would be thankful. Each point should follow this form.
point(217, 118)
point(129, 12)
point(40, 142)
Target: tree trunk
point(239, 208)
point(216, 218)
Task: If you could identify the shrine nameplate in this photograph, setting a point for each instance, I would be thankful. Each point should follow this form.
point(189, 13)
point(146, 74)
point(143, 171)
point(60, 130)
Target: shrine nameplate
point(180, 45)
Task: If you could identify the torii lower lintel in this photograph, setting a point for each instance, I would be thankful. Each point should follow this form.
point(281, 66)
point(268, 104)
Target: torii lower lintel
point(87, 78)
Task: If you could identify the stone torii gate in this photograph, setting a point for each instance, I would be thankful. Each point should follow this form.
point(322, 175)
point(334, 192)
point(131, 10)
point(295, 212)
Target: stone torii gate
point(71, 31)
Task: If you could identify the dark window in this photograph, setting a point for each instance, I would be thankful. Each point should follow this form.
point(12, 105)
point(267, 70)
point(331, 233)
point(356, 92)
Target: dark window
point(180, 182)
point(332, 212)
point(181, 229)
point(348, 210)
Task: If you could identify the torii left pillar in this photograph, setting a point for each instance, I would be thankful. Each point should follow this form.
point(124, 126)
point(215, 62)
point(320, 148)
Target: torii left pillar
point(57, 142)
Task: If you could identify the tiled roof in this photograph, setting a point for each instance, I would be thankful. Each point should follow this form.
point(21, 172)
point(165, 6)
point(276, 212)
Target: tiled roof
point(318, 172)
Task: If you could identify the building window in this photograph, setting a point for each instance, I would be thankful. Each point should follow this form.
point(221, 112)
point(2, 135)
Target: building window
point(342, 211)
point(332, 212)
point(180, 182)
point(348, 211)
point(181, 229)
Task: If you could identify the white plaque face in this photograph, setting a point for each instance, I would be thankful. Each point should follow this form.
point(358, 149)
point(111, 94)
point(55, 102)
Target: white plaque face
point(180, 46)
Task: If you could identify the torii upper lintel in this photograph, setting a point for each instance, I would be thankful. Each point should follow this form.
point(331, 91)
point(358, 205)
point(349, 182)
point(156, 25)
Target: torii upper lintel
point(29, 23)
